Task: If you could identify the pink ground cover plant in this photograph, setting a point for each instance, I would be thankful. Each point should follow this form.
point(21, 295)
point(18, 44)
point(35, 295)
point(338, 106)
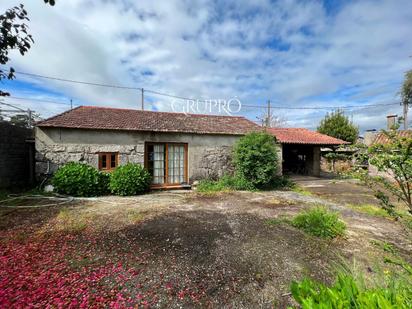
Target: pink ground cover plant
point(40, 273)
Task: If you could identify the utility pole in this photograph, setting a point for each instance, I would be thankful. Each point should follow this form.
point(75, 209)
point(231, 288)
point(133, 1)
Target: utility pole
point(142, 99)
point(71, 104)
point(269, 116)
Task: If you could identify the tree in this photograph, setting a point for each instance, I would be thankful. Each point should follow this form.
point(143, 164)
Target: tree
point(337, 125)
point(394, 157)
point(406, 96)
point(13, 35)
point(255, 159)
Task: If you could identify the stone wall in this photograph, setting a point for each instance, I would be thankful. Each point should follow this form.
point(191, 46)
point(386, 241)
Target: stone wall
point(214, 163)
point(208, 155)
point(50, 157)
point(16, 156)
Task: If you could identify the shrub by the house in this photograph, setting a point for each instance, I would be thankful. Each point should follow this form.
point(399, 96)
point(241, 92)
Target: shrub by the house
point(255, 159)
point(79, 179)
point(318, 221)
point(129, 179)
point(225, 183)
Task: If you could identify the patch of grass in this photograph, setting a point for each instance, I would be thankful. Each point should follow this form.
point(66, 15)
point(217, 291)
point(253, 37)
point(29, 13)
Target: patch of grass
point(349, 291)
point(320, 222)
point(385, 246)
point(407, 222)
point(277, 221)
point(225, 184)
point(301, 190)
point(69, 222)
point(370, 209)
point(135, 216)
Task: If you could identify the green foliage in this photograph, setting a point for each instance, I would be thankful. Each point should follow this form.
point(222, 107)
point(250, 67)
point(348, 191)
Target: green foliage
point(395, 158)
point(301, 190)
point(337, 125)
point(370, 210)
point(406, 90)
point(281, 182)
point(129, 179)
point(78, 179)
point(14, 36)
point(320, 222)
point(348, 292)
point(225, 183)
point(255, 159)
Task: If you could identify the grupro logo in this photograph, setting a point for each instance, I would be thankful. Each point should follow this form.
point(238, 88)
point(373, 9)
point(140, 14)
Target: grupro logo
point(220, 106)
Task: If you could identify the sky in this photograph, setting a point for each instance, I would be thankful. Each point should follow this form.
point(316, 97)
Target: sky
point(294, 53)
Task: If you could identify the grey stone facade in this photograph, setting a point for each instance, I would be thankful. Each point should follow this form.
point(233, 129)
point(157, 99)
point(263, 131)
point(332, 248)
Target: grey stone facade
point(208, 155)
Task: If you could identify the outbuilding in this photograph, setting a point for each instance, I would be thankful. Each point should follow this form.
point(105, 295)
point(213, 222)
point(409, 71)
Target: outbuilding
point(300, 149)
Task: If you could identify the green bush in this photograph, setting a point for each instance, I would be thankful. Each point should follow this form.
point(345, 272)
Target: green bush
point(255, 159)
point(281, 182)
point(129, 179)
point(225, 183)
point(347, 292)
point(320, 222)
point(79, 179)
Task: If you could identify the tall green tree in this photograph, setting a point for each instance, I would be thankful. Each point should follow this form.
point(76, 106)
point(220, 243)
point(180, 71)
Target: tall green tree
point(406, 96)
point(406, 90)
point(338, 125)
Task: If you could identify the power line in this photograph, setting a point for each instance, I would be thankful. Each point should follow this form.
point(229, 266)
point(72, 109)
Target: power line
point(38, 100)
point(77, 81)
point(321, 107)
point(187, 98)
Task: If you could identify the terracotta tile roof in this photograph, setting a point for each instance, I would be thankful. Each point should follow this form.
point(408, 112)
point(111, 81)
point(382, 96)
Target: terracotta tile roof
point(103, 118)
point(381, 138)
point(303, 136)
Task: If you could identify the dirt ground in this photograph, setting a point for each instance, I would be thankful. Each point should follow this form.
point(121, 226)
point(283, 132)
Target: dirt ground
point(188, 249)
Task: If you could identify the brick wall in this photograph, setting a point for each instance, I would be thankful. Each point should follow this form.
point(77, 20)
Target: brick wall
point(16, 156)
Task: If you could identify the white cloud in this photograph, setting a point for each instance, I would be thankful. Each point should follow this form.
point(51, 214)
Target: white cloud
point(291, 51)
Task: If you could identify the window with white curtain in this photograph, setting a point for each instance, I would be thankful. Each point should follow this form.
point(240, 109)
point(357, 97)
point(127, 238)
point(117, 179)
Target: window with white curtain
point(166, 162)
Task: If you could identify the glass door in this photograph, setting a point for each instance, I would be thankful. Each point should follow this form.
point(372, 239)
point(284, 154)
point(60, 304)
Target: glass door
point(156, 162)
point(176, 163)
point(166, 162)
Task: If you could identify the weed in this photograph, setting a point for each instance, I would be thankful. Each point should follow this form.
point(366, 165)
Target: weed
point(370, 210)
point(277, 221)
point(225, 183)
point(301, 190)
point(351, 292)
point(135, 216)
point(68, 222)
point(385, 246)
point(320, 222)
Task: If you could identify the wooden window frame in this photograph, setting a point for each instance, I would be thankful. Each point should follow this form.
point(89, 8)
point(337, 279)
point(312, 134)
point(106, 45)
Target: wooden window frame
point(108, 162)
point(166, 166)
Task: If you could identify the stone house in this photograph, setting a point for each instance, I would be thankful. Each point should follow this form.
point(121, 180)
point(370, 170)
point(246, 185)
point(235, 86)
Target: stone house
point(176, 148)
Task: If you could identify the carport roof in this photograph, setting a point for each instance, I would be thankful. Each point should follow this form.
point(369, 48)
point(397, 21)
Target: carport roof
point(303, 136)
